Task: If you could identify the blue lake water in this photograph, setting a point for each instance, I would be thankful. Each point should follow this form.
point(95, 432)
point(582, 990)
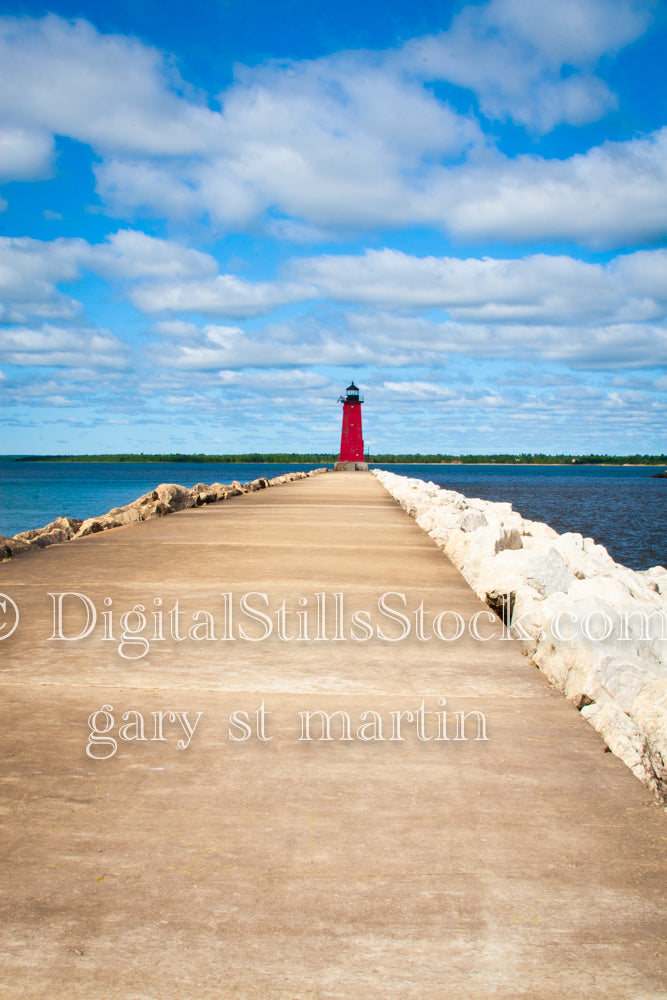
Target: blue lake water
point(623, 508)
point(34, 493)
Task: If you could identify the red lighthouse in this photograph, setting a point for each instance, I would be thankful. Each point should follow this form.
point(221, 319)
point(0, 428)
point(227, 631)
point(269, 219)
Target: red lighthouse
point(351, 439)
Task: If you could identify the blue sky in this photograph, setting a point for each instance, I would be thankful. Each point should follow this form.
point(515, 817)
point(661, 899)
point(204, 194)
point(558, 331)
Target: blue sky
point(214, 215)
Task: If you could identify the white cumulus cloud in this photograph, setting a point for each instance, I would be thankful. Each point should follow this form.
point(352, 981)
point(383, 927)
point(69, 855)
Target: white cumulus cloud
point(224, 295)
point(536, 289)
point(351, 140)
point(52, 346)
point(132, 254)
point(115, 93)
point(512, 54)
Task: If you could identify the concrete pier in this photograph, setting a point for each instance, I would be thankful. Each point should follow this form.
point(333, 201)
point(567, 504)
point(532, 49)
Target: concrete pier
point(251, 863)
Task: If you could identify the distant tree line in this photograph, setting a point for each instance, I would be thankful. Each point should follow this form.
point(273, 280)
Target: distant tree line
point(251, 457)
point(328, 458)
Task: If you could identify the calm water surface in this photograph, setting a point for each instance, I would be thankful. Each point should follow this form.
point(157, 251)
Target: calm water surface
point(623, 508)
point(34, 493)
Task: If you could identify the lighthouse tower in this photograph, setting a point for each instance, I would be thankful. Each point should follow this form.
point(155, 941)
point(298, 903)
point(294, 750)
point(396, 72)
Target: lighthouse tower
point(351, 456)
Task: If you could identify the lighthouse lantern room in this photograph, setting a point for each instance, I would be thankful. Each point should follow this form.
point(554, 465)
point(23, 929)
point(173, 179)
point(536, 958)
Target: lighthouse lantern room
point(351, 456)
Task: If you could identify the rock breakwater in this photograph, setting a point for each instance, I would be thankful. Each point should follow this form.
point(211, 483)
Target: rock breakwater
point(595, 628)
point(167, 498)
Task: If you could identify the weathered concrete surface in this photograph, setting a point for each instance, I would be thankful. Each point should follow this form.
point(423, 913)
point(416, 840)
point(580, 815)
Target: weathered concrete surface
point(529, 865)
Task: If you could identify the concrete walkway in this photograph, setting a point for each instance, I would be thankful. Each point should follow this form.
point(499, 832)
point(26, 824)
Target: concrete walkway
point(529, 864)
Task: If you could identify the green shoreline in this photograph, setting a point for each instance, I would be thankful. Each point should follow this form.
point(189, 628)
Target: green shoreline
point(314, 459)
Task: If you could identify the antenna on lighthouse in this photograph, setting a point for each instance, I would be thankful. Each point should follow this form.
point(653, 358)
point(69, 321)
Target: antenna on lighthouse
point(351, 458)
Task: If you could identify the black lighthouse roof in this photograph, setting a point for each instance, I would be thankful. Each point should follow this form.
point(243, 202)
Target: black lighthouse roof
point(351, 395)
